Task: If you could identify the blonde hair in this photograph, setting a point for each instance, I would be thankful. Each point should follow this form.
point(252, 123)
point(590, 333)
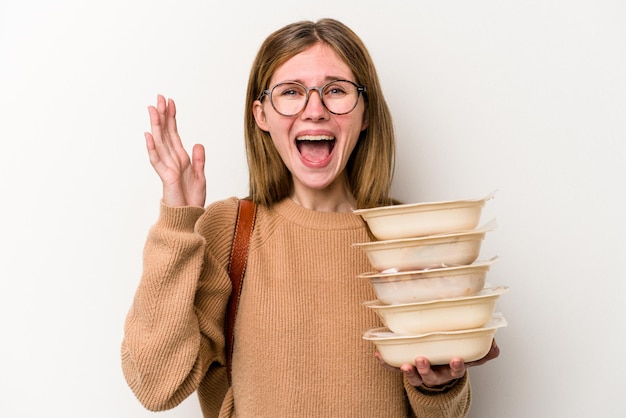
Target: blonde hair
point(370, 167)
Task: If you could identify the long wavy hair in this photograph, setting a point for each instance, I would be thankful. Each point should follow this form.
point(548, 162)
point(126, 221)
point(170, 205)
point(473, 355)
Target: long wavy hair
point(371, 164)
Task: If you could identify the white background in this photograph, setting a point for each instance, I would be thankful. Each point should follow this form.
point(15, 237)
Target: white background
point(526, 97)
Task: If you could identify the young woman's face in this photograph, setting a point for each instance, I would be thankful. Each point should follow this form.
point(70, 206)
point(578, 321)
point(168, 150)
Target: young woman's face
point(315, 144)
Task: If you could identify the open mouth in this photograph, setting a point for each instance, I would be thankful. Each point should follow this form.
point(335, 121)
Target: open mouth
point(315, 148)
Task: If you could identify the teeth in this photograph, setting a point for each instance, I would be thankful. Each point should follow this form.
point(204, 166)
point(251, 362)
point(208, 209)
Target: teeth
point(315, 138)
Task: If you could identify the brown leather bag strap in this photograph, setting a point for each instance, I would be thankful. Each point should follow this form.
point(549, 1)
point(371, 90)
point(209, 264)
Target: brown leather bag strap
point(246, 215)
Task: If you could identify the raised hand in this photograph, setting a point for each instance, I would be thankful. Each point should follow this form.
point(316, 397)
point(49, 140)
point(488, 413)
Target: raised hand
point(184, 183)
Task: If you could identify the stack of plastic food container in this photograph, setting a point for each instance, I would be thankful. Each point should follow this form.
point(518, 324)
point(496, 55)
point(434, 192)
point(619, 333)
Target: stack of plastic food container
point(431, 292)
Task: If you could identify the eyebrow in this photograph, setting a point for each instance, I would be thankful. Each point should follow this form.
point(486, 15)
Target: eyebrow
point(327, 79)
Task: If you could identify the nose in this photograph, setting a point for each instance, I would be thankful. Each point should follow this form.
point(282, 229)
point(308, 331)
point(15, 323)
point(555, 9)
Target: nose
point(314, 108)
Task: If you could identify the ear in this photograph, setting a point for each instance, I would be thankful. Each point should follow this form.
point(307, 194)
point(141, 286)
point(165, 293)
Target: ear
point(259, 115)
point(366, 120)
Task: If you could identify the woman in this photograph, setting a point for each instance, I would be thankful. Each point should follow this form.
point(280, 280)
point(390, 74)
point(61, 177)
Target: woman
point(320, 142)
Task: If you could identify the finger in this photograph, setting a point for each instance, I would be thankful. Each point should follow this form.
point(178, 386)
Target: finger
point(170, 114)
point(425, 371)
point(151, 147)
point(198, 160)
point(161, 105)
point(153, 154)
point(149, 140)
point(457, 368)
point(439, 375)
point(159, 149)
point(173, 137)
point(156, 125)
point(411, 374)
point(158, 120)
point(433, 376)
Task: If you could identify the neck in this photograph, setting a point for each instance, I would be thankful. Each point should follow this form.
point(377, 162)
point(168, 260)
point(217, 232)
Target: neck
point(336, 198)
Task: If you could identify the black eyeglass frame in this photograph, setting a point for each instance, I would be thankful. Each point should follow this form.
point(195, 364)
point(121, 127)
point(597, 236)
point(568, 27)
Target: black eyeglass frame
point(268, 92)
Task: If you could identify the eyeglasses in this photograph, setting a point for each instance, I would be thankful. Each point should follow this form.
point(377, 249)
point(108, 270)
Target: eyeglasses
point(290, 98)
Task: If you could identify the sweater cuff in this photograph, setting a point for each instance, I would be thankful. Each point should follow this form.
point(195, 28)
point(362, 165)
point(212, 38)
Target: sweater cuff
point(451, 389)
point(433, 390)
point(179, 218)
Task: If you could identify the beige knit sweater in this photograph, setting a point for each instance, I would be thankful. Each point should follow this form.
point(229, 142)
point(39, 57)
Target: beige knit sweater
point(299, 350)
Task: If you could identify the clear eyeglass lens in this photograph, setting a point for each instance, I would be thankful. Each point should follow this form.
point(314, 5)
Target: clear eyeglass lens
point(338, 96)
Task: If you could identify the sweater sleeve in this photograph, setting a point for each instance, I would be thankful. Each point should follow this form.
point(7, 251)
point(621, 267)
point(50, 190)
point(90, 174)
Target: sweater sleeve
point(453, 403)
point(167, 347)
